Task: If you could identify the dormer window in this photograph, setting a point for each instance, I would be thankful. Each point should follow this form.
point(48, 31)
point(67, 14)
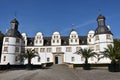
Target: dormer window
point(53, 41)
point(71, 40)
point(57, 41)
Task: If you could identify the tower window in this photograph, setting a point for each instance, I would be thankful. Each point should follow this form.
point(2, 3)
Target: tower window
point(4, 58)
point(6, 49)
point(108, 36)
point(17, 40)
point(17, 49)
point(6, 39)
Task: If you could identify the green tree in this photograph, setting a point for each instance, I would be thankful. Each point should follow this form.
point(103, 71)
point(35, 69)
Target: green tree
point(117, 43)
point(112, 53)
point(86, 53)
point(29, 54)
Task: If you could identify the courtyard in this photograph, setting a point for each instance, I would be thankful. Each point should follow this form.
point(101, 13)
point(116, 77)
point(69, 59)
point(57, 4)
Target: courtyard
point(60, 72)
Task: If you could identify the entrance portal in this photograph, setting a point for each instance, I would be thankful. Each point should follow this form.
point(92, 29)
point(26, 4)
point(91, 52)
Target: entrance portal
point(58, 59)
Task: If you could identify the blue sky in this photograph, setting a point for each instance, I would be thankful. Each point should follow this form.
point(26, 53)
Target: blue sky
point(48, 16)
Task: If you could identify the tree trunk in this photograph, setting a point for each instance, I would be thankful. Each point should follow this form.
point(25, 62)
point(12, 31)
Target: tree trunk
point(29, 61)
point(86, 60)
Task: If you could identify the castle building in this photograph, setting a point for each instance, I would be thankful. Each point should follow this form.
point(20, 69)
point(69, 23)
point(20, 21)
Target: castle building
point(56, 48)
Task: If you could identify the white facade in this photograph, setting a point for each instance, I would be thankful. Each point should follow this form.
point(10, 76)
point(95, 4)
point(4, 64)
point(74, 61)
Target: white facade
point(12, 47)
point(56, 48)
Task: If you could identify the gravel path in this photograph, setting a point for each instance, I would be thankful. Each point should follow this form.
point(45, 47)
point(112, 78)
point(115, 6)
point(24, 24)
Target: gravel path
point(60, 72)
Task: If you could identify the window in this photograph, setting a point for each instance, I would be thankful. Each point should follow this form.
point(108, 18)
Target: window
point(89, 35)
point(82, 59)
point(38, 59)
point(36, 41)
point(58, 49)
point(72, 59)
point(91, 47)
point(78, 48)
point(97, 38)
point(17, 40)
point(75, 40)
point(57, 41)
point(108, 36)
point(74, 36)
point(89, 40)
point(48, 59)
point(36, 50)
point(38, 37)
point(97, 47)
point(42, 49)
point(17, 49)
point(48, 49)
point(68, 49)
point(92, 58)
point(71, 40)
point(53, 41)
point(6, 49)
point(16, 58)
point(40, 41)
point(6, 39)
point(4, 58)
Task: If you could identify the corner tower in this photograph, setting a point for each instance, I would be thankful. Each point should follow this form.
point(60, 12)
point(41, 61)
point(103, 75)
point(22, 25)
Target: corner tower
point(103, 36)
point(12, 44)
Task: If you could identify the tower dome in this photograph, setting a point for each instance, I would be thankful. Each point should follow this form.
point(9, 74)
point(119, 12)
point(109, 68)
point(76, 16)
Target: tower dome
point(14, 21)
point(102, 28)
point(13, 32)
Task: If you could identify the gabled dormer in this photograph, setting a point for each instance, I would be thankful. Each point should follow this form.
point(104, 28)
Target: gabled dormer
point(56, 39)
point(73, 38)
point(38, 41)
point(24, 36)
point(90, 37)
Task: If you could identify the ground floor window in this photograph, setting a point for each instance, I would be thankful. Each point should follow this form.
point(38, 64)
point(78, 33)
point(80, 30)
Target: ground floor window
point(48, 59)
point(4, 58)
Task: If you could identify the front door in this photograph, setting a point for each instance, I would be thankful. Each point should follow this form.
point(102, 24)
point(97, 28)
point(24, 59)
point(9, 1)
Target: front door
point(58, 59)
